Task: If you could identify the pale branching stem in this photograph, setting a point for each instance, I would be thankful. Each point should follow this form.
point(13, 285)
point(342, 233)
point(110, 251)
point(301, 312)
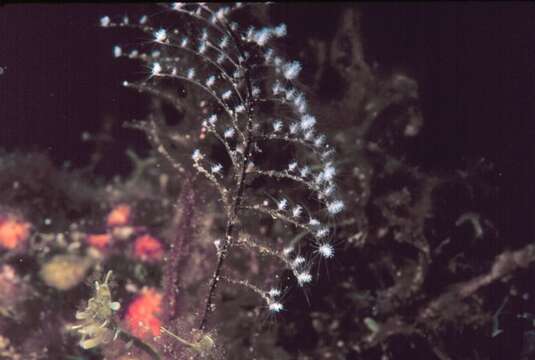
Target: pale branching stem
point(151, 90)
point(224, 55)
point(206, 89)
point(232, 219)
point(302, 142)
point(278, 215)
point(265, 250)
point(200, 18)
point(285, 175)
point(233, 117)
point(230, 153)
point(248, 285)
point(223, 192)
point(221, 52)
point(279, 101)
point(149, 30)
point(211, 62)
point(150, 128)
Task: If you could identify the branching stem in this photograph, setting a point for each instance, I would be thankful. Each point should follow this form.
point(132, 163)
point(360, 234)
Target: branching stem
point(232, 216)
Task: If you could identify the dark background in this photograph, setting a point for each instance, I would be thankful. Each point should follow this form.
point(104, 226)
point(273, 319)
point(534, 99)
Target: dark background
point(474, 63)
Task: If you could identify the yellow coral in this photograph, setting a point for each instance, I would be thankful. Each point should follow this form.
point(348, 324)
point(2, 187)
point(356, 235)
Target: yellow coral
point(96, 321)
point(64, 272)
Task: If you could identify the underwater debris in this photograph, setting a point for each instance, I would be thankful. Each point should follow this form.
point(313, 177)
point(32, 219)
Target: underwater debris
point(64, 272)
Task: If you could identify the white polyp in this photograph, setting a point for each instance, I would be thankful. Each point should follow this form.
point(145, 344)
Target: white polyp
point(210, 81)
point(280, 30)
point(250, 33)
point(274, 292)
point(329, 190)
point(156, 69)
point(292, 166)
point(212, 119)
point(229, 133)
point(220, 14)
point(282, 205)
point(117, 51)
point(224, 42)
point(291, 70)
point(327, 154)
point(239, 109)
point(184, 42)
point(313, 222)
point(191, 73)
point(307, 122)
point(299, 260)
point(326, 250)
point(291, 94)
point(296, 212)
point(287, 250)
point(178, 5)
point(275, 307)
point(262, 36)
point(226, 95)
point(268, 55)
point(335, 207)
point(323, 232)
point(105, 21)
point(143, 19)
point(277, 88)
point(216, 169)
point(320, 141)
point(329, 172)
point(304, 278)
point(304, 171)
point(196, 155)
point(300, 103)
point(160, 35)
point(277, 126)
point(202, 47)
